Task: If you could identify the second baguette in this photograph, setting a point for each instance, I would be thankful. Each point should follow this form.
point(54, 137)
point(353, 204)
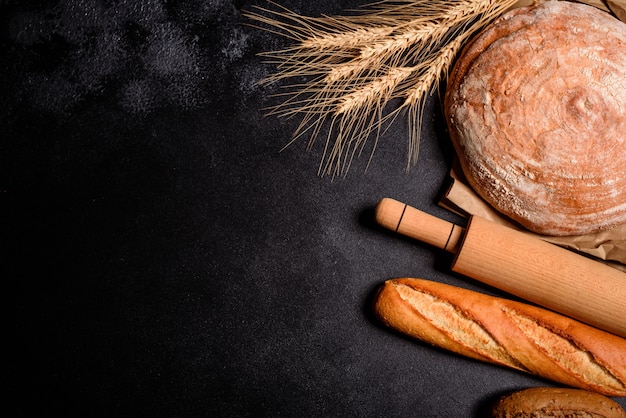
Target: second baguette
point(505, 332)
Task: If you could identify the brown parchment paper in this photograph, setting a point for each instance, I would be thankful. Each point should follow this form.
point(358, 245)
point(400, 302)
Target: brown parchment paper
point(606, 246)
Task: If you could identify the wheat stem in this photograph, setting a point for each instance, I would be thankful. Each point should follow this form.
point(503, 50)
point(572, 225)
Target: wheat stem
point(357, 64)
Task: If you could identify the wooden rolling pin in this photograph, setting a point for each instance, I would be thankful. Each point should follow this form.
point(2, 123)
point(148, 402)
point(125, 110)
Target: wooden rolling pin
point(520, 264)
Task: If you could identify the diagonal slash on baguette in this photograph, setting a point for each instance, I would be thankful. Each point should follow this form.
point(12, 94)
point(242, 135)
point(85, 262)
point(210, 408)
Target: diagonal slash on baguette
point(504, 332)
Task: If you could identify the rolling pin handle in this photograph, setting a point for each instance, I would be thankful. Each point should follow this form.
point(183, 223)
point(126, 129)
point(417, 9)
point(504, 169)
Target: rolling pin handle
point(413, 223)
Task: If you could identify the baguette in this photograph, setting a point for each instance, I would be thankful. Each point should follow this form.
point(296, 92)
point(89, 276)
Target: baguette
point(556, 402)
point(505, 332)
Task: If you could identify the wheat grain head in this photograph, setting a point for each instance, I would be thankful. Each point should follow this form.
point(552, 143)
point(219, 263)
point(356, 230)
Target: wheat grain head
point(355, 65)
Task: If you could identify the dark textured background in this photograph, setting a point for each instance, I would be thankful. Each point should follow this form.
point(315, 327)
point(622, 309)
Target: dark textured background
point(169, 261)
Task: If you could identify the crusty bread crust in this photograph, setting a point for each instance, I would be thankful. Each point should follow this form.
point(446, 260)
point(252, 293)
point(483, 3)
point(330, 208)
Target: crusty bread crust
point(536, 109)
point(556, 402)
point(505, 332)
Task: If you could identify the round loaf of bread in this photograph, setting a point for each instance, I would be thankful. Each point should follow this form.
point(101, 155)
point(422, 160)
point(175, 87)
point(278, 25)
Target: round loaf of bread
point(536, 109)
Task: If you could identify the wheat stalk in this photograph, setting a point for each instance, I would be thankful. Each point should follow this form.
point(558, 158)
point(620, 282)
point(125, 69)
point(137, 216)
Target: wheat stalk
point(357, 64)
point(421, 88)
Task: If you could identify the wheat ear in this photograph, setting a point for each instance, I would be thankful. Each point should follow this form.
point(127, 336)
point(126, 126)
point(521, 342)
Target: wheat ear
point(355, 65)
point(421, 88)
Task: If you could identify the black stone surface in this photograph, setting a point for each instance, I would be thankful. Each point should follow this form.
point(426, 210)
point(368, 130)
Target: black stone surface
point(169, 261)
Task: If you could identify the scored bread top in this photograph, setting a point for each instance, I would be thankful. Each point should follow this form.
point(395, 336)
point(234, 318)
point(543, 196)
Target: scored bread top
point(505, 332)
point(536, 108)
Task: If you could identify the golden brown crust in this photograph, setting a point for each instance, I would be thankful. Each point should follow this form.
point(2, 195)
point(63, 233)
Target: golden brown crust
point(536, 108)
point(556, 402)
point(505, 332)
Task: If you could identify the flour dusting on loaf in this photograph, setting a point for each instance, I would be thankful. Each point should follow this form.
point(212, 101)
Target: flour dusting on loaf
point(536, 107)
